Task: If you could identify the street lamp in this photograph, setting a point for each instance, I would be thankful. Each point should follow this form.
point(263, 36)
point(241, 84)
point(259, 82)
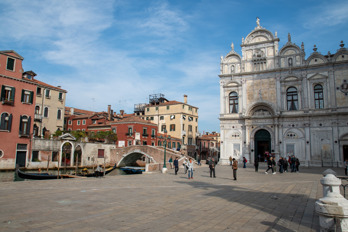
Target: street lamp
point(164, 169)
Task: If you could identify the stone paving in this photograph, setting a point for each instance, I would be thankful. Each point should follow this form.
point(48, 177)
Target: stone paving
point(166, 202)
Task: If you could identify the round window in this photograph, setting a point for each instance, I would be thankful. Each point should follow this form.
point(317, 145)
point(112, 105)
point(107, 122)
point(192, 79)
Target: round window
point(1, 154)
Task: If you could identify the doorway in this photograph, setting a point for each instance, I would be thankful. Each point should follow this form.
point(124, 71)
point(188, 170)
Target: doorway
point(262, 145)
point(20, 158)
point(345, 152)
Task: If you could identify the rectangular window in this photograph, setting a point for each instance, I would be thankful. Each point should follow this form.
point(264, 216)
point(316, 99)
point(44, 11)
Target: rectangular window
point(100, 153)
point(7, 95)
point(129, 142)
point(156, 108)
point(54, 155)
point(35, 156)
point(147, 109)
point(190, 128)
point(60, 96)
point(189, 141)
point(114, 130)
point(130, 131)
point(47, 93)
point(169, 145)
point(78, 122)
point(27, 96)
point(38, 91)
point(145, 132)
point(151, 118)
point(59, 114)
point(173, 144)
point(172, 127)
point(190, 108)
point(153, 133)
point(183, 127)
point(70, 122)
point(167, 107)
point(144, 143)
point(10, 64)
point(163, 128)
point(83, 122)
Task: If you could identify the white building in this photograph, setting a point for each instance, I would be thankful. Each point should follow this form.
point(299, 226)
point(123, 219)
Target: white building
point(277, 101)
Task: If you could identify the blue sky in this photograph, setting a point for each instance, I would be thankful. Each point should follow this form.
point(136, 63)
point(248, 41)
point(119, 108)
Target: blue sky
point(119, 52)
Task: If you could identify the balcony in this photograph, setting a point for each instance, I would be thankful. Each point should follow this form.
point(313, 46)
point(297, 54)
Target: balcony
point(8, 102)
point(145, 135)
point(129, 134)
point(37, 117)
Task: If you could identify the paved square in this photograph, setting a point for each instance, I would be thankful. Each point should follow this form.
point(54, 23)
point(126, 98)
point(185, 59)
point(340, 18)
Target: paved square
point(166, 202)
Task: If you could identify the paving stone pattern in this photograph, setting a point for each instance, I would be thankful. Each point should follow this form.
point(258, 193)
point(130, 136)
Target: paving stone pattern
point(166, 202)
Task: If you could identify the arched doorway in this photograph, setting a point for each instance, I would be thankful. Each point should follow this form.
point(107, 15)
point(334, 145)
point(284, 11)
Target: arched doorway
point(262, 144)
point(66, 154)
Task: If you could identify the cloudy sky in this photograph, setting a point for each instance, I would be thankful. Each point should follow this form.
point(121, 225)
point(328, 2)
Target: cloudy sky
point(118, 52)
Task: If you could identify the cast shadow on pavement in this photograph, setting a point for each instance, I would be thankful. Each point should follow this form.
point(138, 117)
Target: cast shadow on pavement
point(287, 208)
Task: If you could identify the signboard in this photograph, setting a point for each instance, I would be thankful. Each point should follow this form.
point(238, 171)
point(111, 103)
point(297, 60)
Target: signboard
point(121, 143)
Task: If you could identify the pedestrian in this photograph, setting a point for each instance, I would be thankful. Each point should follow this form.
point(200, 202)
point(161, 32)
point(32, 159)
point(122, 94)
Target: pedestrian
point(171, 162)
point(199, 160)
point(285, 165)
point(244, 162)
point(297, 164)
point(176, 165)
point(256, 164)
point(212, 167)
point(293, 163)
point(234, 167)
point(99, 171)
point(230, 160)
point(185, 165)
point(270, 165)
point(190, 168)
point(281, 165)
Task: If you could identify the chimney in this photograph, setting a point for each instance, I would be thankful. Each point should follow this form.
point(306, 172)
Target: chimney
point(109, 112)
point(121, 112)
point(71, 111)
point(185, 99)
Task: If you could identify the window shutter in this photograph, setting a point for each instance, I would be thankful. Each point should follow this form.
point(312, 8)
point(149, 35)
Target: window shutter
point(28, 126)
point(31, 97)
point(20, 125)
point(2, 93)
point(9, 122)
point(22, 97)
point(2, 122)
point(13, 94)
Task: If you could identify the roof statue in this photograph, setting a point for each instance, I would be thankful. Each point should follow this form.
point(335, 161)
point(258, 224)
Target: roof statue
point(289, 37)
point(232, 46)
point(258, 22)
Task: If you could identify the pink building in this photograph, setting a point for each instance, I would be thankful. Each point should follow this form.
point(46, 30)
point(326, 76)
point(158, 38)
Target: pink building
point(17, 108)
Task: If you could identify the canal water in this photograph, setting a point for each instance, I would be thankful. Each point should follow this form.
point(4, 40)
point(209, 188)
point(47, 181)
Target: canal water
point(11, 176)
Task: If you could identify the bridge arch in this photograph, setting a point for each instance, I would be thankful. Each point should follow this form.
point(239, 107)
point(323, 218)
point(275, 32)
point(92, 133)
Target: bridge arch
point(131, 157)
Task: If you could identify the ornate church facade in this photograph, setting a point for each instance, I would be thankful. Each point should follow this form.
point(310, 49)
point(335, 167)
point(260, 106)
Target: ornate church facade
point(275, 101)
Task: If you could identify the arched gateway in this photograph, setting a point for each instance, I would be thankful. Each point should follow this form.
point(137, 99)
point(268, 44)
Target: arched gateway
point(262, 144)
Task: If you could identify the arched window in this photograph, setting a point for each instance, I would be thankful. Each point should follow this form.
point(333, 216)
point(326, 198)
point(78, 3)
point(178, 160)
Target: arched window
point(37, 109)
point(46, 112)
point(232, 69)
point(24, 125)
point(59, 114)
point(233, 102)
point(318, 96)
point(6, 121)
point(292, 98)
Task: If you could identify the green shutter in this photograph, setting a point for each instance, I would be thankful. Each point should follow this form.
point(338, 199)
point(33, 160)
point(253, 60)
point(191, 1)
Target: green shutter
point(22, 97)
point(20, 125)
point(9, 123)
point(2, 93)
point(31, 97)
point(28, 126)
point(13, 94)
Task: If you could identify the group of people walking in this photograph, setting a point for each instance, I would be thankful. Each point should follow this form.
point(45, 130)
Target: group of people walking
point(282, 163)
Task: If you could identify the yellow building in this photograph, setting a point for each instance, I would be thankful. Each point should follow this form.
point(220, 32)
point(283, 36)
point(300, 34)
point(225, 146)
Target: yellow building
point(49, 108)
point(179, 119)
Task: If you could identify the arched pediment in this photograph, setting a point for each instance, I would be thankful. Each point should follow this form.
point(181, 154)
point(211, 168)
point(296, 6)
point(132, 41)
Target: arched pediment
point(232, 84)
point(67, 136)
point(232, 59)
point(289, 49)
point(258, 35)
point(260, 109)
point(316, 58)
point(341, 55)
point(291, 79)
point(293, 133)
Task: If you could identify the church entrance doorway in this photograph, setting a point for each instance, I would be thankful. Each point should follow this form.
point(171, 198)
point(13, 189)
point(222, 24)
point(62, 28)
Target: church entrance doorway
point(262, 144)
point(345, 152)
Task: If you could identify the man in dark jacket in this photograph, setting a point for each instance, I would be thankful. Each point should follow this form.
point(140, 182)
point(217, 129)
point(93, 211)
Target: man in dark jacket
point(212, 167)
point(176, 165)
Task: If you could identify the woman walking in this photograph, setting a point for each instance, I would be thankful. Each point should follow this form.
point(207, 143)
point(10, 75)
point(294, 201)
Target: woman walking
point(270, 164)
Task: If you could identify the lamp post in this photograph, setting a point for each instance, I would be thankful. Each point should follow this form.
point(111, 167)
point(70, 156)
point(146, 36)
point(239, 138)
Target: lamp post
point(164, 169)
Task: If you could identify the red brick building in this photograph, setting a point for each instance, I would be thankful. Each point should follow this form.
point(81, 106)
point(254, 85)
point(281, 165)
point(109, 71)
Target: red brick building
point(17, 110)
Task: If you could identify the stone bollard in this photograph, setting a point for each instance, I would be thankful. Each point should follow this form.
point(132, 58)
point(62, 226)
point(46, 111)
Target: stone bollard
point(333, 207)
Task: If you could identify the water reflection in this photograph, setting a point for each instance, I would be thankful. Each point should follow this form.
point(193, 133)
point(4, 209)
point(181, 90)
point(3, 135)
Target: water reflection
point(12, 176)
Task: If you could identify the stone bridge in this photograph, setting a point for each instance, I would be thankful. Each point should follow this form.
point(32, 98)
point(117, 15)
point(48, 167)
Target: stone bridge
point(150, 156)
